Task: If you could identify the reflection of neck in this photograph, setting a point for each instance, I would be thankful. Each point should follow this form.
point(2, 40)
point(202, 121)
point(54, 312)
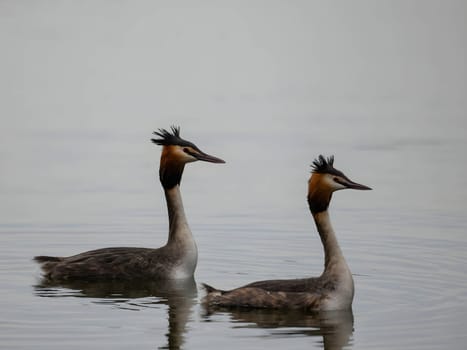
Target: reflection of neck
point(179, 231)
point(337, 327)
point(332, 252)
point(181, 298)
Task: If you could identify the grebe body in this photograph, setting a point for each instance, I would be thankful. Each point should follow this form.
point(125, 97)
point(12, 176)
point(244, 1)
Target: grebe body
point(176, 260)
point(334, 289)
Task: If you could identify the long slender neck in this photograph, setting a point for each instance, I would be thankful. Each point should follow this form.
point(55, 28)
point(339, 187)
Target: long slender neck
point(179, 231)
point(332, 252)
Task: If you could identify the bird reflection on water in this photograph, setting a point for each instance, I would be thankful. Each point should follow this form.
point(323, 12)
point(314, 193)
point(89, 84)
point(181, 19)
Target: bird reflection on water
point(335, 327)
point(179, 295)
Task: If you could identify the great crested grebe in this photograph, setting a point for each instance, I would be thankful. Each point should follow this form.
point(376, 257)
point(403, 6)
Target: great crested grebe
point(334, 289)
point(176, 260)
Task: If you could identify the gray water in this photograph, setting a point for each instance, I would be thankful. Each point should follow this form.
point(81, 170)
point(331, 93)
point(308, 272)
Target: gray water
point(267, 86)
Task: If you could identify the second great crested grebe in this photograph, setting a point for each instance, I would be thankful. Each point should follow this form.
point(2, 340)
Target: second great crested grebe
point(334, 289)
point(176, 260)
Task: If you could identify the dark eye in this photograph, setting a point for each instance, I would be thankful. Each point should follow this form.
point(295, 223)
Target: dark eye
point(337, 180)
point(188, 150)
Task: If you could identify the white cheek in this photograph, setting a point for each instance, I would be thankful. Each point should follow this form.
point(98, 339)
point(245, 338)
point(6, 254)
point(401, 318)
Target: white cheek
point(185, 157)
point(328, 180)
point(338, 187)
point(189, 159)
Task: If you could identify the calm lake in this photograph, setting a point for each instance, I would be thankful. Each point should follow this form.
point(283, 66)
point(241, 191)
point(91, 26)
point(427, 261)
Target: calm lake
point(267, 86)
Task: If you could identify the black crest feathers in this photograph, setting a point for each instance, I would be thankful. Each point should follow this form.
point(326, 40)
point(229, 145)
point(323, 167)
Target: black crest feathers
point(323, 165)
point(171, 137)
point(166, 137)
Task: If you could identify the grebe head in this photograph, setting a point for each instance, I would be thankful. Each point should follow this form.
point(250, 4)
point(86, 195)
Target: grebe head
point(325, 180)
point(181, 150)
point(177, 152)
